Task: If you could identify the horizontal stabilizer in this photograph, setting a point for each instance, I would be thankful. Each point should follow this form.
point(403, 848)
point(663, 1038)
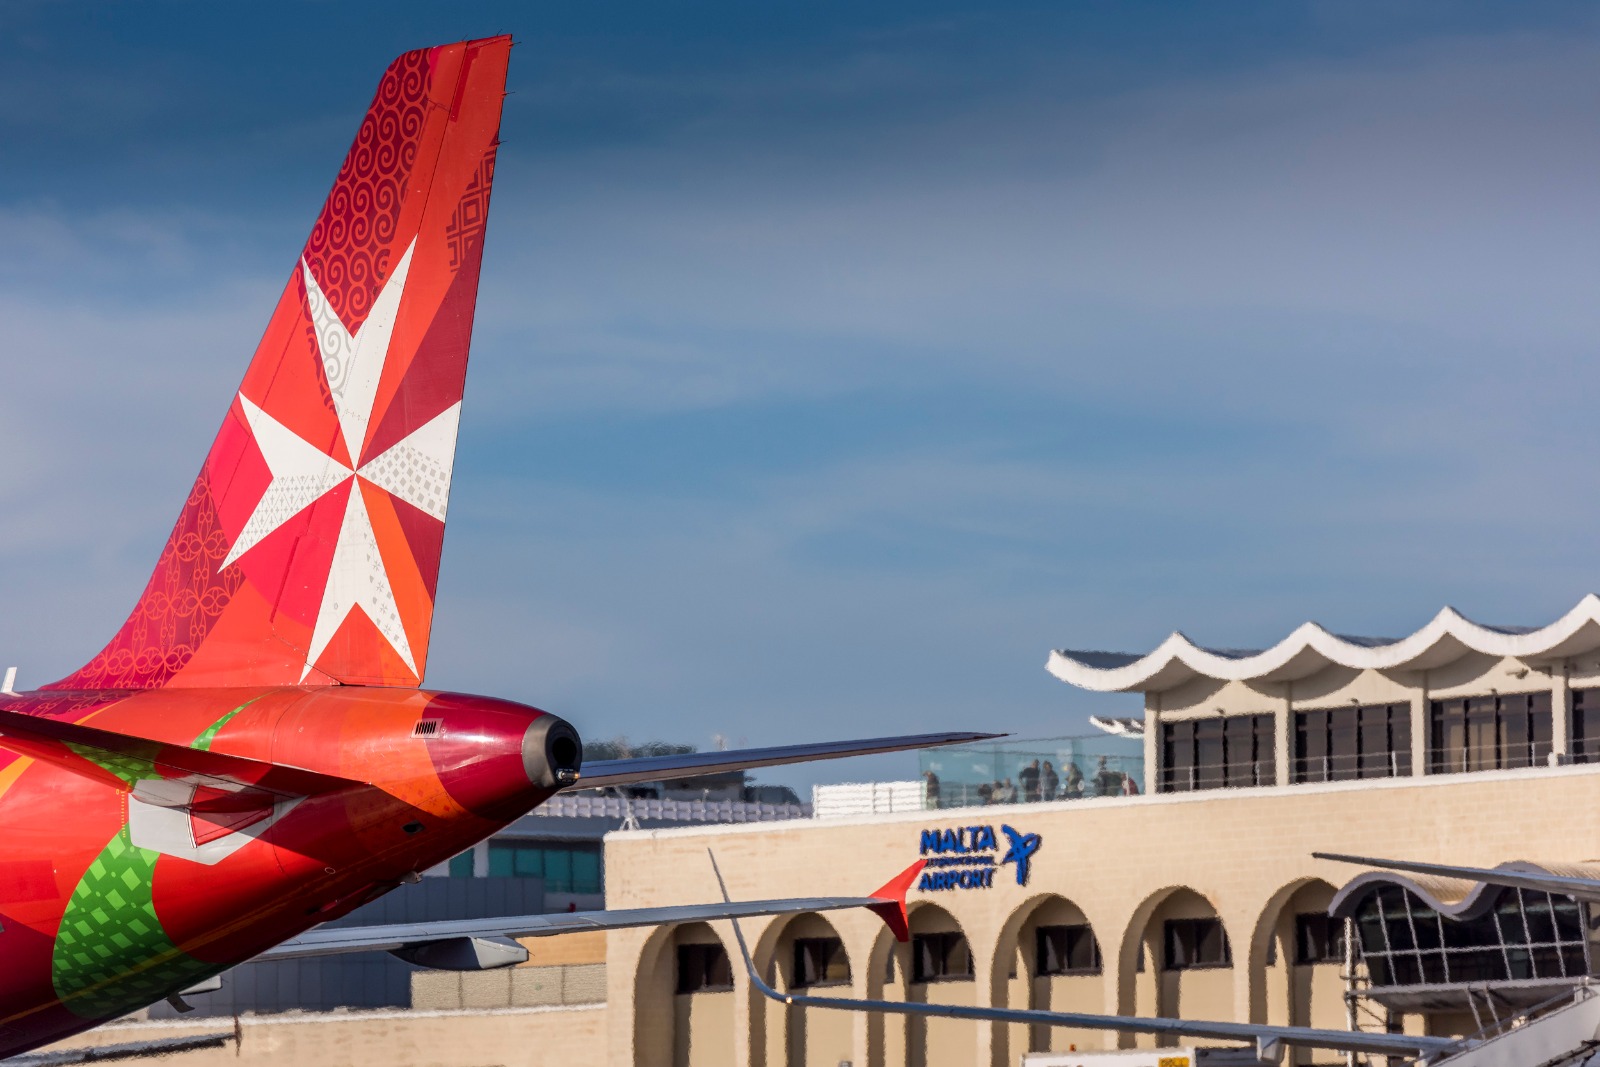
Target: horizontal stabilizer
point(1582, 888)
point(409, 937)
point(655, 768)
point(122, 761)
point(160, 1046)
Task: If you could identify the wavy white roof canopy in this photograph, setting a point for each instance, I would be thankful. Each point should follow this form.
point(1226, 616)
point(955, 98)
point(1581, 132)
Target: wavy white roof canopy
point(1310, 648)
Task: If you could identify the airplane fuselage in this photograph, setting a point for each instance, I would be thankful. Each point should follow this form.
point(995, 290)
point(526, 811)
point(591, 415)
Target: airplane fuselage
point(113, 898)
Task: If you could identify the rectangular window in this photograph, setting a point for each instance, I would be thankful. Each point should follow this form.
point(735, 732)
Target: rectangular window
point(1311, 747)
point(1318, 938)
point(940, 957)
point(1177, 757)
point(1239, 737)
point(1344, 750)
point(820, 961)
point(1483, 734)
point(1491, 732)
point(1210, 756)
point(461, 866)
point(1212, 753)
point(1066, 950)
point(565, 866)
point(703, 969)
point(1193, 943)
point(1343, 744)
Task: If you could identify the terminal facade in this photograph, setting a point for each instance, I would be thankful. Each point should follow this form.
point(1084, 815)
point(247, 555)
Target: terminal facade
point(1198, 897)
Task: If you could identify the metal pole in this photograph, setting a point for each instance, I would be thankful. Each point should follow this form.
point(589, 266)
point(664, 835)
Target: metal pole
point(1349, 977)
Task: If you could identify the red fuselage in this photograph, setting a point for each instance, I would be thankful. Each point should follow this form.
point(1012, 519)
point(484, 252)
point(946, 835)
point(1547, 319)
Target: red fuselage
point(97, 922)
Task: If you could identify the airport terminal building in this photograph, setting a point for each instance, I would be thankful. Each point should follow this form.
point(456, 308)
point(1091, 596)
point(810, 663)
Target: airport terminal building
point(1171, 874)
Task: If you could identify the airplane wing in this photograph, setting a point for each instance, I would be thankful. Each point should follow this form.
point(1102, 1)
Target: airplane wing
point(654, 768)
point(1269, 1041)
point(121, 761)
point(1583, 888)
point(162, 1046)
point(482, 944)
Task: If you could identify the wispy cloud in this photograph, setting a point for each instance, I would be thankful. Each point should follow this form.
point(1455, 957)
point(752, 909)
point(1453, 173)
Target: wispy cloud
point(816, 393)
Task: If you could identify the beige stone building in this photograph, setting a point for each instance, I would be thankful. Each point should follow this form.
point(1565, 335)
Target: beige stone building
point(1198, 898)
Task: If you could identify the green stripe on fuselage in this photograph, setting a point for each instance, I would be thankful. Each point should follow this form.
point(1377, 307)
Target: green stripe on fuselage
point(112, 954)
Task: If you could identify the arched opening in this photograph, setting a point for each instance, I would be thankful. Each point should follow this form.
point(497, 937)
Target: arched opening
point(938, 969)
point(1177, 961)
point(1298, 953)
point(1049, 958)
point(699, 971)
point(809, 956)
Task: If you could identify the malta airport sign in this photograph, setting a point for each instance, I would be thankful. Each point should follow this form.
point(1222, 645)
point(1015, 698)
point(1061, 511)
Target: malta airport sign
point(968, 857)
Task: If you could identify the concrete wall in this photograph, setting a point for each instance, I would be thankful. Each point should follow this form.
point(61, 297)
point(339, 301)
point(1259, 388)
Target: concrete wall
point(387, 1038)
point(1123, 864)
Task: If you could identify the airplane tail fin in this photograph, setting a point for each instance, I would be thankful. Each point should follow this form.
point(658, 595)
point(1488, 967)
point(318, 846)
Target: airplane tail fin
point(308, 549)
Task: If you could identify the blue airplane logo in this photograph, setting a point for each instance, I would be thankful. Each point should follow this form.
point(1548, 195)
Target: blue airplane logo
point(1023, 846)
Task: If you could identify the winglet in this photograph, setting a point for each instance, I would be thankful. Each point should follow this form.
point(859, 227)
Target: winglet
point(893, 894)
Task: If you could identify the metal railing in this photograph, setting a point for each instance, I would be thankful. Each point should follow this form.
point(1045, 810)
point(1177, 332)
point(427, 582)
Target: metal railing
point(591, 805)
point(1036, 771)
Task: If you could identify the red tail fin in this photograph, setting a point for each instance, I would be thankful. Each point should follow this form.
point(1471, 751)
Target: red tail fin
point(308, 550)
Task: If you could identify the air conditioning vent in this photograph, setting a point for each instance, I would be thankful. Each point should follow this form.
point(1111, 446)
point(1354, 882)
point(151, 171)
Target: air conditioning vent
point(428, 728)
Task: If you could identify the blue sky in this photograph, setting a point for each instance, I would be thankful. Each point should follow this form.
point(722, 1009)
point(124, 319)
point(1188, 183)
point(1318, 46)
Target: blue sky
point(835, 361)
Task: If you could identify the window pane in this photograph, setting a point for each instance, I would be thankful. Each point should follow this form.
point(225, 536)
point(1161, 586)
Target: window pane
point(1585, 742)
point(1210, 945)
point(1541, 924)
point(1374, 742)
point(719, 970)
point(1509, 912)
point(1369, 928)
point(703, 968)
point(586, 872)
point(1178, 952)
point(1083, 950)
point(1540, 727)
point(1407, 969)
point(1514, 731)
point(557, 870)
point(819, 960)
point(1399, 926)
point(1066, 950)
point(1177, 757)
point(461, 866)
point(1448, 736)
point(1209, 754)
point(1240, 743)
point(958, 957)
point(1569, 923)
point(1319, 938)
point(1266, 769)
point(1483, 735)
point(943, 955)
point(1400, 737)
point(1050, 950)
point(1196, 943)
point(1311, 746)
point(1342, 751)
point(502, 861)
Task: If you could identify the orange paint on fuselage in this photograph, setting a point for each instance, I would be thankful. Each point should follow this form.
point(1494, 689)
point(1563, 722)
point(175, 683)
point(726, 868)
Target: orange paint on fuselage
point(419, 801)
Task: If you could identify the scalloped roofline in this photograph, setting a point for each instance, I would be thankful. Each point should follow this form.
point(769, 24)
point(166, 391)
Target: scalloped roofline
point(1451, 897)
point(1445, 638)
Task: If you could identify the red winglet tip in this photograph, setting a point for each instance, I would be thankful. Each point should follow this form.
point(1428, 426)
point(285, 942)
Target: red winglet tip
point(893, 894)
